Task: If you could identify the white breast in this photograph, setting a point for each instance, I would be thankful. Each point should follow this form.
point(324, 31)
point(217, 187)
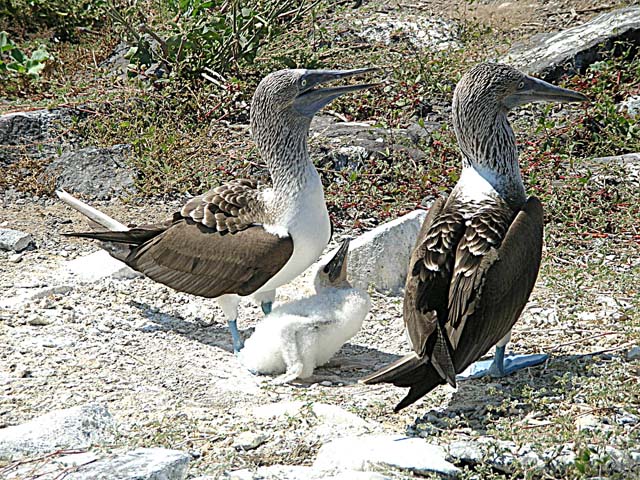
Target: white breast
point(475, 187)
point(307, 222)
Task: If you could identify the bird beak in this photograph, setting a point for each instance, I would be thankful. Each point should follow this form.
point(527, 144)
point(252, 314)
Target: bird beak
point(336, 268)
point(310, 101)
point(536, 90)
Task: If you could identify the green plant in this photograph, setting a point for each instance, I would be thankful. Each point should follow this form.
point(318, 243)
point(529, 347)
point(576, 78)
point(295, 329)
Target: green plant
point(65, 19)
point(220, 35)
point(14, 61)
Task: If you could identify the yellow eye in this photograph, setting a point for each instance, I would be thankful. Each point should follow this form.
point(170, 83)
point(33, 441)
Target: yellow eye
point(521, 85)
point(303, 83)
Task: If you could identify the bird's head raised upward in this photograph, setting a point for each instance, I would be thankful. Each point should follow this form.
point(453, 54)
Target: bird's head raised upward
point(333, 274)
point(481, 101)
point(285, 101)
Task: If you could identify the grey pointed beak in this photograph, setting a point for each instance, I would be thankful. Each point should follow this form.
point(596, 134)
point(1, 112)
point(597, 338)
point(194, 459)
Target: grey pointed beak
point(336, 268)
point(536, 90)
point(311, 100)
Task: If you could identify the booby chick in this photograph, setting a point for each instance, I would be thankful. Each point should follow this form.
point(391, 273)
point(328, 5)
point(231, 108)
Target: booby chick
point(478, 253)
point(301, 335)
point(240, 238)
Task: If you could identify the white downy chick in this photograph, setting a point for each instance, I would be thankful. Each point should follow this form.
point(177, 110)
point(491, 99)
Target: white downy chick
point(301, 335)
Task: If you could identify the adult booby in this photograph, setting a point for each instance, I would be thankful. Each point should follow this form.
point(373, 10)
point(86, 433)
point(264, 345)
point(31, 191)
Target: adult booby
point(478, 252)
point(301, 335)
point(239, 238)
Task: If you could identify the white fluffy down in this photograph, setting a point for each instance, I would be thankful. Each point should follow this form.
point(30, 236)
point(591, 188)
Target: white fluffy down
point(301, 335)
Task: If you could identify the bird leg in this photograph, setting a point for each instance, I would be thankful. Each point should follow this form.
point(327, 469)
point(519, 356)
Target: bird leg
point(229, 305)
point(236, 337)
point(266, 307)
point(501, 366)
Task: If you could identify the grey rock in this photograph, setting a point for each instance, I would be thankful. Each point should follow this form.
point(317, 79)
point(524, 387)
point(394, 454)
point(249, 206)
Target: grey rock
point(633, 353)
point(385, 451)
point(34, 134)
point(588, 422)
point(291, 472)
point(380, 256)
point(551, 55)
point(77, 427)
point(465, 451)
point(14, 240)
point(249, 440)
point(339, 145)
point(139, 464)
point(96, 172)
point(423, 32)
point(631, 105)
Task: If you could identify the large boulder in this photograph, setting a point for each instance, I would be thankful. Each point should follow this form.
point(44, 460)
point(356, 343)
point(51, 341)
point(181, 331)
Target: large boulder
point(550, 55)
point(95, 172)
point(380, 257)
point(76, 427)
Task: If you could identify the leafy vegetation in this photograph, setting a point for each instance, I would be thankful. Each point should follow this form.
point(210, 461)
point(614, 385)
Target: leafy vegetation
point(15, 61)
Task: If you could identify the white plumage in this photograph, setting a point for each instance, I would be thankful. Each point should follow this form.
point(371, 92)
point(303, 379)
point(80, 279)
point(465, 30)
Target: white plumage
point(301, 335)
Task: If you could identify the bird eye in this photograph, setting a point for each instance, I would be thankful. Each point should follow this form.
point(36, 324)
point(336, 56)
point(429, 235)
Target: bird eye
point(303, 83)
point(521, 85)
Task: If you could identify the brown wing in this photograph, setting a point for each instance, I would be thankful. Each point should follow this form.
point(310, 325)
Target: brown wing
point(425, 300)
point(507, 286)
point(190, 257)
point(214, 245)
point(474, 255)
point(429, 273)
point(231, 207)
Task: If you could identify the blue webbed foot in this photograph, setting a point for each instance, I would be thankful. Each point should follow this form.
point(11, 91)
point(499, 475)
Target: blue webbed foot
point(501, 366)
point(266, 307)
point(238, 342)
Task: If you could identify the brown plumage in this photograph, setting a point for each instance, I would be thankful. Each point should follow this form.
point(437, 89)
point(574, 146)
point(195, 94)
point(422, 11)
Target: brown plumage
point(478, 253)
point(242, 238)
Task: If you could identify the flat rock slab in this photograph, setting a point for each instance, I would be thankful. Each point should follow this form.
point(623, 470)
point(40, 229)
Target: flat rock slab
point(77, 427)
point(139, 464)
point(385, 451)
point(289, 472)
point(14, 240)
point(95, 172)
point(98, 265)
point(549, 56)
point(380, 256)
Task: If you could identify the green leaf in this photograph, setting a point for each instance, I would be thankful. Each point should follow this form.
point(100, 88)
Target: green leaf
point(18, 56)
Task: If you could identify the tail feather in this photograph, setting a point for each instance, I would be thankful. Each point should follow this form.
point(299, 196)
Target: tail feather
point(102, 219)
point(410, 371)
point(134, 236)
point(394, 371)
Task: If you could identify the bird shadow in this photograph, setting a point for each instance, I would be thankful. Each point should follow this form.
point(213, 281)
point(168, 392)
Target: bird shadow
point(347, 366)
point(478, 403)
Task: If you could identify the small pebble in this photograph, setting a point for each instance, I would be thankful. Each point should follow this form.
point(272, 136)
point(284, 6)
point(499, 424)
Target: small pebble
point(634, 353)
point(326, 383)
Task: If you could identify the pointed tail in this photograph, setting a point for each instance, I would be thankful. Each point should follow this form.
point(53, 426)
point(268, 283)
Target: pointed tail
point(409, 371)
point(97, 216)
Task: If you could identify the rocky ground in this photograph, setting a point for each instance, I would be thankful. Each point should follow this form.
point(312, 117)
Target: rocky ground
point(155, 391)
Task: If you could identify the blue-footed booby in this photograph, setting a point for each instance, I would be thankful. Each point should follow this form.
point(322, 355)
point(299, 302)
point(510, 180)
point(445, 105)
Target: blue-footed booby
point(239, 238)
point(301, 335)
point(478, 252)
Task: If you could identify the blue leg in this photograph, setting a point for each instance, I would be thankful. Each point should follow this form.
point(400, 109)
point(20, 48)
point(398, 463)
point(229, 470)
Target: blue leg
point(501, 366)
point(238, 342)
point(266, 307)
